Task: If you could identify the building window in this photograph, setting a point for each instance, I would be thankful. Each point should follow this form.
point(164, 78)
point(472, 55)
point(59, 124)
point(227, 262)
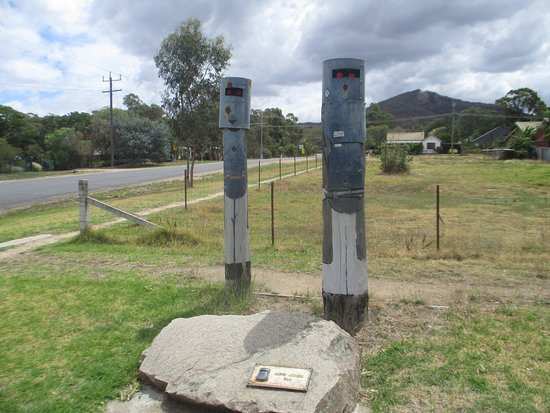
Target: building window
point(431, 145)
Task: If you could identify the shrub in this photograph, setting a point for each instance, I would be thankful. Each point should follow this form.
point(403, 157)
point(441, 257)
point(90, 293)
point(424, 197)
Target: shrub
point(523, 144)
point(36, 167)
point(266, 153)
point(394, 159)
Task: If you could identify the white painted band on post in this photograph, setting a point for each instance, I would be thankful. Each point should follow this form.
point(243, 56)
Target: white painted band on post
point(236, 232)
point(346, 274)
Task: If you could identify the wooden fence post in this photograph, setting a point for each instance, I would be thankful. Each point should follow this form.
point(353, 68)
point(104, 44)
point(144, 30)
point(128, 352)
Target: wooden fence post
point(83, 201)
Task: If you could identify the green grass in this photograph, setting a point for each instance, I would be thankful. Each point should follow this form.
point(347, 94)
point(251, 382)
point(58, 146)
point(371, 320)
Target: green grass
point(71, 337)
point(76, 315)
point(484, 231)
point(484, 360)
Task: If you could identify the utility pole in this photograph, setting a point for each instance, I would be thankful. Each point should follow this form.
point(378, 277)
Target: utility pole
point(110, 92)
point(453, 129)
point(262, 134)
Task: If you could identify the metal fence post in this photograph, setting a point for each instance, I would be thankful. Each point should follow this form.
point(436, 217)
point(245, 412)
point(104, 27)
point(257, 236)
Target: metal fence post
point(83, 202)
point(272, 215)
point(185, 186)
point(280, 172)
point(259, 173)
point(307, 163)
point(294, 165)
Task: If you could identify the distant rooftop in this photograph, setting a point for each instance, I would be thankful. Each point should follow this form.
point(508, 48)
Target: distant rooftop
point(530, 124)
point(405, 136)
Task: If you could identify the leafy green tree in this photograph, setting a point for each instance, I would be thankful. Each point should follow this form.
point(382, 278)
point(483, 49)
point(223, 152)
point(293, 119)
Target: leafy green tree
point(191, 65)
point(8, 154)
point(20, 130)
point(522, 142)
point(443, 133)
point(313, 136)
point(378, 125)
point(376, 136)
point(475, 121)
point(522, 102)
point(376, 116)
point(138, 140)
point(66, 148)
point(138, 108)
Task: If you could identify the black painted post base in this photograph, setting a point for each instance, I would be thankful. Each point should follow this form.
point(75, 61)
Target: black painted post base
point(348, 311)
point(237, 278)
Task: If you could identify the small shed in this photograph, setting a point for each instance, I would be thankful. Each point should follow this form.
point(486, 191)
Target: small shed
point(431, 144)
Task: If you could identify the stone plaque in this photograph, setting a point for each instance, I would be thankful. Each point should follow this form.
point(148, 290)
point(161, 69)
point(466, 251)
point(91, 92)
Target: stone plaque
point(282, 378)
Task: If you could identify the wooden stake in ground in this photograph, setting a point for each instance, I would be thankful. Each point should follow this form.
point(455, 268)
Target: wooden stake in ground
point(83, 202)
point(234, 119)
point(345, 297)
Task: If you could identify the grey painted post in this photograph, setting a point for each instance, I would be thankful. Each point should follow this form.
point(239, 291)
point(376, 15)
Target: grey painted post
point(83, 201)
point(234, 119)
point(345, 296)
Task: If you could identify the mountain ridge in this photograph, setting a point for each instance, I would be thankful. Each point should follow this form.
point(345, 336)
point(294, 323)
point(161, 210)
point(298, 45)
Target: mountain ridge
point(424, 103)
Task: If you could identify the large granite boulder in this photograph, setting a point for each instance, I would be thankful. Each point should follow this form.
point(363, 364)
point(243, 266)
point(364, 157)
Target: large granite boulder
point(208, 361)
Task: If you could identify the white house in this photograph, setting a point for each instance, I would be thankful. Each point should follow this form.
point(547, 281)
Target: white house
point(430, 144)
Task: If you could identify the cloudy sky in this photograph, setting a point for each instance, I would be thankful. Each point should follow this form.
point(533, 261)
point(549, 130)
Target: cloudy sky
point(54, 53)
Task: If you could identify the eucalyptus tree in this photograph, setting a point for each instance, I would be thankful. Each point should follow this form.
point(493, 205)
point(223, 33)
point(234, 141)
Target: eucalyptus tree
point(191, 65)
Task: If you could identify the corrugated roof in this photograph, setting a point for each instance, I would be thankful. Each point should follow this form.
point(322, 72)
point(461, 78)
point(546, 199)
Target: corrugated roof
point(530, 124)
point(405, 136)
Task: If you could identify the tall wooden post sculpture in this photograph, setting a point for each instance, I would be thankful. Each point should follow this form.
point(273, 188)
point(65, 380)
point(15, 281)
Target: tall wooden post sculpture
point(345, 297)
point(234, 119)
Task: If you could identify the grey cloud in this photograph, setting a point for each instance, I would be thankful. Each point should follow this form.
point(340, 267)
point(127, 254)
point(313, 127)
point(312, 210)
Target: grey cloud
point(395, 31)
point(517, 48)
point(400, 39)
point(141, 27)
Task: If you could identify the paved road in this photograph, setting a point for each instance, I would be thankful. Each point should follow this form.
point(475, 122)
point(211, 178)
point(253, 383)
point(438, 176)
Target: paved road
point(28, 191)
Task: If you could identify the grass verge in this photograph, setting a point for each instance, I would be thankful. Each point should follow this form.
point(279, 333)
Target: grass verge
point(71, 339)
point(485, 359)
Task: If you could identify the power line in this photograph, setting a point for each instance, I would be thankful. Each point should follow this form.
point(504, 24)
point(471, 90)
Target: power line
point(442, 115)
point(111, 91)
point(39, 87)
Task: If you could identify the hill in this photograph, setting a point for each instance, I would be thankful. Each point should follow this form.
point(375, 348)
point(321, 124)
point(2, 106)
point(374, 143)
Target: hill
point(425, 105)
